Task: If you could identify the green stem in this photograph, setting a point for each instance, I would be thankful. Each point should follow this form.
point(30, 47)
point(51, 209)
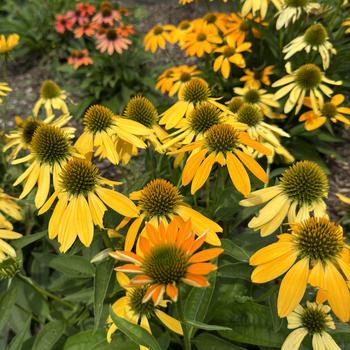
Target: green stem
point(207, 190)
point(43, 292)
point(107, 240)
point(187, 339)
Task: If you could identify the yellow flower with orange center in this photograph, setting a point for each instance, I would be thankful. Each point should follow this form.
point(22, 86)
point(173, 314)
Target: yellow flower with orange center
point(170, 256)
point(222, 145)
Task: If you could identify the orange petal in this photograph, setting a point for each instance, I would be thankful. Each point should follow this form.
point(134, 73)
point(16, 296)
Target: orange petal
point(201, 268)
point(172, 291)
point(205, 255)
point(195, 280)
point(126, 256)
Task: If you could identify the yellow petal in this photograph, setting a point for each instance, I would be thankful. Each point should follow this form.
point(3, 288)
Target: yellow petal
point(238, 174)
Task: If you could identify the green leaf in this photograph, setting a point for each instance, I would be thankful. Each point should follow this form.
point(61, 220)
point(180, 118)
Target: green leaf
point(7, 302)
point(49, 335)
point(19, 339)
point(26, 240)
point(73, 265)
point(250, 322)
point(136, 333)
point(101, 282)
point(235, 251)
point(207, 327)
point(276, 321)
point(207, 341)
point(235, 270)
point(198, 302)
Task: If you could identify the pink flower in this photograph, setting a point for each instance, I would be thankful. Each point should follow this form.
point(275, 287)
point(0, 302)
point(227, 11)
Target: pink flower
point(85, 8)
point(111, 41)
point(63, 23)
point(79, 58)
point(107, 14)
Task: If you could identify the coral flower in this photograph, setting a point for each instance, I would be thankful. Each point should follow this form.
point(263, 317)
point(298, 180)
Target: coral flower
point(158, 36)
point(21, 138)
point(160, 202)
point(222, 144)
point(79, 58)
point(253, 78)
point(306, 80)
point(63, 23)
point(132, 308)
point(9, 43)
point(4, 90)
point(85, 8)
point(323, 262)
point(328, 111)
point(300, 193)
point(51, 97)
point(87, 29)
point(82, 202)
point(202, 39)
point(230, 54)
point(111, 41)
point(169, 256)
point(314, 320)
point(102, 131)
point(107, 14)
point(50, 149)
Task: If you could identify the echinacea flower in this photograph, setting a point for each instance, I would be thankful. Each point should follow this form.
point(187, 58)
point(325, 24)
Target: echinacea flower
point(231, 53)
point(132, 308)
point(4, 90)
point(86, 29)
point(160, 202)
point(343, 198)
point(111, 41)
point(21, 138)
point(193, 92)
point(9, 43)
point(217, 20)
point(260, 98)
point(142, 110)
point(158, 36)
point(79, 58)
point(300, 192)
point(313, 320)
point(85, 8)
point(8, 207)
point(313, 252)
point(107, 14)
point(169, 257)
point(50, 149)
point(291, 10)
point(315, 38)
point(181, 75)
point(202, 39)
point(181, 30)
point(102, 129)
point(51, 97)
point(327, 111)
point(258, 130)
point(254, 6)
point(222, 144)
point(82, 202)
point(63, 23)
point(6, 251)
point(253, 78)
point(308, 79)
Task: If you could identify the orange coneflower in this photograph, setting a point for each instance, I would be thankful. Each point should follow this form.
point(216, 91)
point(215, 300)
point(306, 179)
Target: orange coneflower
point(107, 15)
point(63, 23)
point(79, 58)
point(253, 78)
point(111, 41)
point(169, 256)
point(87, 29)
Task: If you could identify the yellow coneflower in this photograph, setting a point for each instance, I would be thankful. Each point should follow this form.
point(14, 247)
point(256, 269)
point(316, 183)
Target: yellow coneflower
point(132, 308)
point(141, 110)
point(21, 138)
point(261, 99)
point(4, 90)
point(6, 251)
point(9, 207)
point(158, 36)
point(230, 53)
point(217, 20)
point(313, 320)
point(254, 78)
point(202, 39)
point(301, 191)
point(222, 144)
point(193, 92)
point(160, 202)
point(50, 149)
point(82, 202)
point(181, 30)
point(268, 135)
point(315, 38)
point(9, 43)
point(166, 80)
point(169, 256)
point(102, 131)
point(319, 245)
point(307, 79)
point(182, 74)
point(328, 111)
point(291, 10)
point(51, 97)
point(200, 120)
point(254, 6)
